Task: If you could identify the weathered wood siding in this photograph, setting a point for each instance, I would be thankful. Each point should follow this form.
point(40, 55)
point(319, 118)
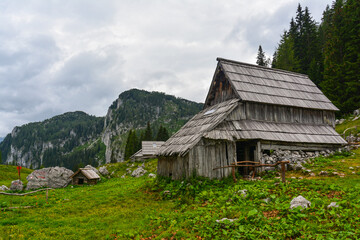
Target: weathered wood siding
point(200, 161)
point(285, 114)
point(220, 90)
point(267, 145)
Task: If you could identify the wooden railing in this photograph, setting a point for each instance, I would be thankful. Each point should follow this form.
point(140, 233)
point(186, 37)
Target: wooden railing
point(255, 165)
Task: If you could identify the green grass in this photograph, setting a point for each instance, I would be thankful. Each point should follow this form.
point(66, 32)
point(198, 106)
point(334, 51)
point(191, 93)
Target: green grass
point(9, 173)
point(348, 123)
point(144, 208)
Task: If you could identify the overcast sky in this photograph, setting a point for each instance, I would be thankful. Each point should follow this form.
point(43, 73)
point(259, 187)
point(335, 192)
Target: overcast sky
point(60, 56)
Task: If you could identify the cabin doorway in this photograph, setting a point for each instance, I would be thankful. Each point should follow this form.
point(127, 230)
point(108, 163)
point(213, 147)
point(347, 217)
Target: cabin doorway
point(245, 151)
point(80, 181)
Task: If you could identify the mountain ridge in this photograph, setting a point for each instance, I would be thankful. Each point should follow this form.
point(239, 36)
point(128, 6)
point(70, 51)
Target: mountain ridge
point(75, 139)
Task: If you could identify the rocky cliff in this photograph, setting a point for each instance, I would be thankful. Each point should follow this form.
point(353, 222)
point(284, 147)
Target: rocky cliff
point(134, 108)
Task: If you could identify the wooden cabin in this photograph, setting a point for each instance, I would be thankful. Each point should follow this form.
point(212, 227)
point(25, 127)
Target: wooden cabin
point(249, 110)
point(149, 149)
point(85, 176)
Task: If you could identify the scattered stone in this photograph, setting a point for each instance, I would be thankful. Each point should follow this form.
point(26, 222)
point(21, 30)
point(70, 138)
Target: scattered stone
point(242, 192)
point(267, 200)
point(293, 177)
point(341, 121)
point(123, 176)
point(138, 172)
point(152, 175)
point(357, 112)
point(4, 188)
point(16, 185)
point(92, 168)
point(166, 192)
point(52, 177)
point(333, 204)
point(299, 201)
point(323, 173)
point(351, 168)
point(300, 178)
point(335, 173)
point(353, 172)
point(225, 219)
point(103, 171)
point(312, 174)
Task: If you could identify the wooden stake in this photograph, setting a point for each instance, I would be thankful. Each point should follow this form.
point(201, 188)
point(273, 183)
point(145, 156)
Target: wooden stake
point(283, 172)
point(233, 173)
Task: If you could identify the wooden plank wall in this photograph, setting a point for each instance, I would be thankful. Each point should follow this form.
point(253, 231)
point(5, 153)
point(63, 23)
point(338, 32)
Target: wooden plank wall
point(267, 145)
point(200, 160)
point(276, 113)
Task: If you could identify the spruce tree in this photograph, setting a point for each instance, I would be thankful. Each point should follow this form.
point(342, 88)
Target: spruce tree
point(148, 133)
point(261, 59)
point(162, 134)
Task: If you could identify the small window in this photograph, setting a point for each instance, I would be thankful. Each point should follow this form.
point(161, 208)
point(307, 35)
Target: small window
point(209, 112)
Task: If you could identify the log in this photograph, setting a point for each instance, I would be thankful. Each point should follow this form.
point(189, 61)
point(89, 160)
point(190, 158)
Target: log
point(23, 194)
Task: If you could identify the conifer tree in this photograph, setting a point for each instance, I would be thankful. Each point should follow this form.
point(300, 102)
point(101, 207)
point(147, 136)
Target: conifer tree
point(162, 134)
point(261, 59)
point(148, 133)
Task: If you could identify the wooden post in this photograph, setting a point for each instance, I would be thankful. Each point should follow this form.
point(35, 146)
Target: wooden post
point(283, 172)
point(233, 173)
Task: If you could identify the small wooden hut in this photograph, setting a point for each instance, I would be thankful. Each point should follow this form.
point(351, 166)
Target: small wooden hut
point(85, 176)
point(148, 150)
point(250, 109)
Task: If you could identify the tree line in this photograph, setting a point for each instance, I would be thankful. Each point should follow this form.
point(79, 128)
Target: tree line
point(135, 138)
point(328, 52)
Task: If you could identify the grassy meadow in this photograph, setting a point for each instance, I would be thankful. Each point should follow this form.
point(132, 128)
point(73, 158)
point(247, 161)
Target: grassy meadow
point(146, 208)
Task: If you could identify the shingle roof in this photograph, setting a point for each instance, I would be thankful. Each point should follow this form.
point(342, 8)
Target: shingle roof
point(273, 86)
point(212, 123)
point(87, 172)
point(282, 132)
point(195, 128)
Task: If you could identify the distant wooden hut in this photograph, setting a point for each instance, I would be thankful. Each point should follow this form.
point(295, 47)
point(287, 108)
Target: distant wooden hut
point(148, 150)
point(250, 110)
point(85, 176)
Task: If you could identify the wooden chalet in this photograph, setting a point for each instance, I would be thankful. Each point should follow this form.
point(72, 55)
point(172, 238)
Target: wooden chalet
point(249, 110)
point(148, 150)
point(85, 176)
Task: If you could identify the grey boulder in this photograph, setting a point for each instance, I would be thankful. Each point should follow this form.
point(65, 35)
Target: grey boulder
point(300, 201)
point(17, 185)
point(333, 204)
point(103, 171)
point(4, 188)
point(138, 172)
point(52, 177)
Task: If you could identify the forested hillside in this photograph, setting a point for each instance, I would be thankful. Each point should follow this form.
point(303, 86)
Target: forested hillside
point(53, 141)
point(135, 108)
point(328, 52)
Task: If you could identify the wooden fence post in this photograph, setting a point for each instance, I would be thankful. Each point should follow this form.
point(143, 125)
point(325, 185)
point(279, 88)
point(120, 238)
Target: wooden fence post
point(283, 172)
point(233, 173)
